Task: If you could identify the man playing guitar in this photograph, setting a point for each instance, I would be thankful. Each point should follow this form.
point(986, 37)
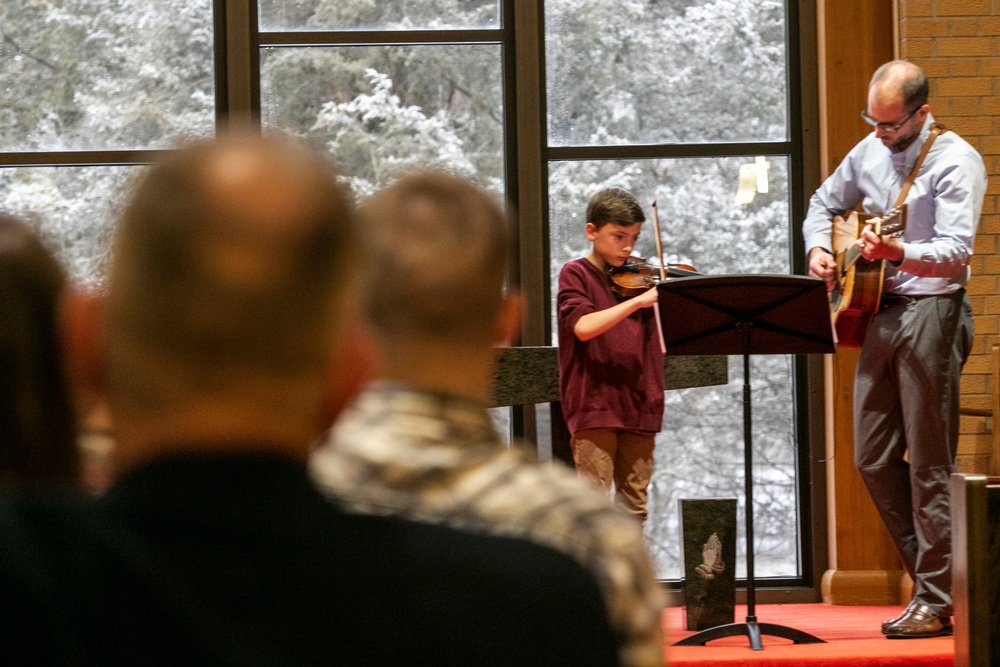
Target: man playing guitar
point(906, 386)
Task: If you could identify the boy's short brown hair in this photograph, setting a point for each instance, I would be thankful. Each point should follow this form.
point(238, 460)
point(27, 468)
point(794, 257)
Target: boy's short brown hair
point(614, 205)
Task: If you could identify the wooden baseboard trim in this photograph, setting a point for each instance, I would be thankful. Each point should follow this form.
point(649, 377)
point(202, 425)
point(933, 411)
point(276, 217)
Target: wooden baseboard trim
point(864, 587)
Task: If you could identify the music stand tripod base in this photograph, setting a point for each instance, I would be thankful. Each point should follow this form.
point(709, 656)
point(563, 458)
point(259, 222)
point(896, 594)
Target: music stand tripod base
point(744, 315)
point(753, 631)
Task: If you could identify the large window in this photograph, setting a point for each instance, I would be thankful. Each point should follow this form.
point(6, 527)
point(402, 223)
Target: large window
point(691, 103)
point(387, 86)
point(89, 84)
point(688, 104)
point(699, 453)
point(381, 110)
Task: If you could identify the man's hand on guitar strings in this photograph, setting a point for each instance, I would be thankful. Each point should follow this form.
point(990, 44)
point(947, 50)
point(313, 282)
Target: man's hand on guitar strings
point(872, 246)
point(823, 265)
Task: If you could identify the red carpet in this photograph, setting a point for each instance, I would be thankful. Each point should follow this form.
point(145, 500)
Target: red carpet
point(853, 637)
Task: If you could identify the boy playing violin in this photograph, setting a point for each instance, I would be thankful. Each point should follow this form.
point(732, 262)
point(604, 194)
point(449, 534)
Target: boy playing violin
point(610, 363)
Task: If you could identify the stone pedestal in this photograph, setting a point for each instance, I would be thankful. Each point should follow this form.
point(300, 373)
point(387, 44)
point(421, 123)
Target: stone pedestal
point(708, 528)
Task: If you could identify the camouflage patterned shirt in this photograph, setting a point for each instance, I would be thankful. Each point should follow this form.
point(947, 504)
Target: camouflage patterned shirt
point(438, 458)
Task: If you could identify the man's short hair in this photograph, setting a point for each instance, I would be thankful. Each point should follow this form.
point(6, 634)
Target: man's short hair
point(905, 78)
point(438, 245)
point(230, 270)
point(614, 205)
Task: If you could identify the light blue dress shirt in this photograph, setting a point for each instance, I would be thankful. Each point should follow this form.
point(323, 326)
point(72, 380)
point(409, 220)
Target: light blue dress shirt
point(943, 207)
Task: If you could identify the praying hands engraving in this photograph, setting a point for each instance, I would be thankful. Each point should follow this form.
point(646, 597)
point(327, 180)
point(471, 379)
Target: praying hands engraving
point(711, 555)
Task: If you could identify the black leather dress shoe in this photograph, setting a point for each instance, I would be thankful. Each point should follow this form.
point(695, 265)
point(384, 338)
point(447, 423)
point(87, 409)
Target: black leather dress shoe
point(918, 623)
point(886, 624)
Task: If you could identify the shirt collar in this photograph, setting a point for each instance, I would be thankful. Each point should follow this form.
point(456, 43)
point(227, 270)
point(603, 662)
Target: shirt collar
point(904, 161)
point(467, 415)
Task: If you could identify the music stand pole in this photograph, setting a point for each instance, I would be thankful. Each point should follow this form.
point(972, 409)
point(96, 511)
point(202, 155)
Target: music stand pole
point(748, 474)
point(746, 315)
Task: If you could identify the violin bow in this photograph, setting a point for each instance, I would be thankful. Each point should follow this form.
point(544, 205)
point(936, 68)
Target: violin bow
point(659, 243)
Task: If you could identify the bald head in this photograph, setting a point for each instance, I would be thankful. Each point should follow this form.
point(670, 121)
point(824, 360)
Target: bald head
point(899, 79)
point(229, 280)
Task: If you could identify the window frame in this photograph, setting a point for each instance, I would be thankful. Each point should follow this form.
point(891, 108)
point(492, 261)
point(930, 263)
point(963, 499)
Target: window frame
point(802, 150)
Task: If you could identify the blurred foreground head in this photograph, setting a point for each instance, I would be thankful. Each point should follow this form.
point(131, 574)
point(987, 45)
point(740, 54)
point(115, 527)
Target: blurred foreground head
point(442, 243)
point(228, 300)
point(37, 423)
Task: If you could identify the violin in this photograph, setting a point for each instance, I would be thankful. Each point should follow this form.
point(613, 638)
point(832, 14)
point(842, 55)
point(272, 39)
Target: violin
point(637, 275)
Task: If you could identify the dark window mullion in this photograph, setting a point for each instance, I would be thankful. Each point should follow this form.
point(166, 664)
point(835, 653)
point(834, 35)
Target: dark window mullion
point(81, 158)
point(654, 151)
point(380, 37)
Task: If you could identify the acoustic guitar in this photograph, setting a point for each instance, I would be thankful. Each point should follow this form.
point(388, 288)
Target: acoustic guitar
point(857, 294)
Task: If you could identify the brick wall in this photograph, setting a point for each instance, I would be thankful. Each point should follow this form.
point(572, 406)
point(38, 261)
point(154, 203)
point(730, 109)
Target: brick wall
point(957, 42)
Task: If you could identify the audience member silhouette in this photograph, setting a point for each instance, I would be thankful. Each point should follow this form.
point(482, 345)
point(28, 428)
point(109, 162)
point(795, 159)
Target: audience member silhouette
point(420, 442)
point(37, 422)
point(223, 346)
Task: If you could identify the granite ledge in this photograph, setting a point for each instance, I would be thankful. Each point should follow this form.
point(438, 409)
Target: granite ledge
point(528, 375)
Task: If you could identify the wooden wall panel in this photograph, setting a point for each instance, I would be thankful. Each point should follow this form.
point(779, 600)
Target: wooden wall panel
point(855, 37)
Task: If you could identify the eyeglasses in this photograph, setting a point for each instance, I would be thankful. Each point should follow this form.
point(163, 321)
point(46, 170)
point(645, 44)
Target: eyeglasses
point(888, 127)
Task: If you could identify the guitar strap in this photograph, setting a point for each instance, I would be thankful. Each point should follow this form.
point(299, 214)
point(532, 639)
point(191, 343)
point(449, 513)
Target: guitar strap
point(936, 129)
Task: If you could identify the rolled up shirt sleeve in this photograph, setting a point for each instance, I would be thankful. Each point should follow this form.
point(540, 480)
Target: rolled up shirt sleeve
point(944, 249)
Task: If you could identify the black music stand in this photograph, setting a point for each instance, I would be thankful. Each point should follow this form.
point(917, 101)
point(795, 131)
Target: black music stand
point(752, 314)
